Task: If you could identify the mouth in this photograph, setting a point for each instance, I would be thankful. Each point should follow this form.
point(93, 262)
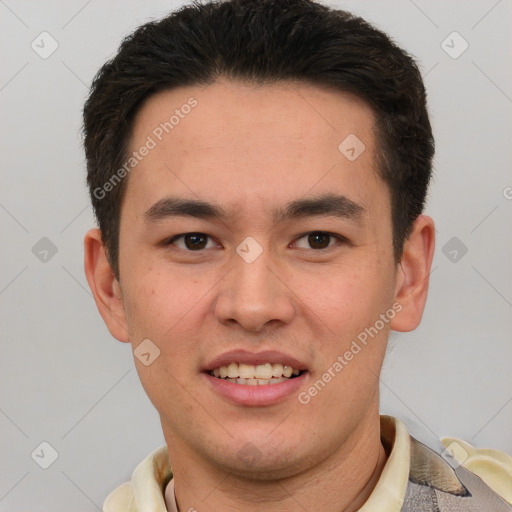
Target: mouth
point(255, 375)
point(255, 379)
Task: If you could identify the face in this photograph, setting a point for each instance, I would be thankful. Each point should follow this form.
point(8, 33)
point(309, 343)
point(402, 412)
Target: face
point(249, 236)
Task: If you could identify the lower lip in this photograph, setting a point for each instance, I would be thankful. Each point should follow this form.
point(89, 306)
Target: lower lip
point(259, 395)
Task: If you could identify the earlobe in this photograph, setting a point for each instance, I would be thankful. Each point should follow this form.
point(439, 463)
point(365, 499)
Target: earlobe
point(413, 274)
point(104, 286)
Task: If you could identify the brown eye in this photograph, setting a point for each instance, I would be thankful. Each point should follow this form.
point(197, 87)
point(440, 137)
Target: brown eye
point(319, 240)
point(191, 241)
point(195, 241)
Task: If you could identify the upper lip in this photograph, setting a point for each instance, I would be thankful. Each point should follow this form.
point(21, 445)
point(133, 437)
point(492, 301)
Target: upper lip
point(255, 358)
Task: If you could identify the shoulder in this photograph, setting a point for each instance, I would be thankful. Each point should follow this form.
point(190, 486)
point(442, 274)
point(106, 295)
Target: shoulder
point(119, 499)
point(492, 466)
point(145, 489)
point(449, 481)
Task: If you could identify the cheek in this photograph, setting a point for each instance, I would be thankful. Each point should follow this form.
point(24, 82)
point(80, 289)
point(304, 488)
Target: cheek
point(161, 310)
point(345, 298)
point(156, 304)
point(171, 310)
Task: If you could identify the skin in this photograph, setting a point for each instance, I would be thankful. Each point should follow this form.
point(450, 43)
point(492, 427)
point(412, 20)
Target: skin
point(251, 150)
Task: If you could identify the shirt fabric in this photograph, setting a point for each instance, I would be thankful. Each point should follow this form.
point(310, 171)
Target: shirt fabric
point(414, 479)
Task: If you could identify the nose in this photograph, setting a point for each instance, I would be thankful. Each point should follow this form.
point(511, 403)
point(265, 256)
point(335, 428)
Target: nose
point(254, 295)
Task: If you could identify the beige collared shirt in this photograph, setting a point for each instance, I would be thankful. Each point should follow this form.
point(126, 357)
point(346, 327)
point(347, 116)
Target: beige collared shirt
point(146, 492)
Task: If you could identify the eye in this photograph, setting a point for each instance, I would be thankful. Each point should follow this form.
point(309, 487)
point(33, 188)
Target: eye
point(317, 240)
point(191, 241)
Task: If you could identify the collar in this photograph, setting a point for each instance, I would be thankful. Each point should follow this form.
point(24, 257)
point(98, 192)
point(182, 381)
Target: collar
point(146, 491)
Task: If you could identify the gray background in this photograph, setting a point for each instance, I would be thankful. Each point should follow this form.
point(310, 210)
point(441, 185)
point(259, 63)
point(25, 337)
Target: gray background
point(66, 382)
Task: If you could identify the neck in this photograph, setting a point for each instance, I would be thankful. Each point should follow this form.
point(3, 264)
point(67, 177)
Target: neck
point(341, 482)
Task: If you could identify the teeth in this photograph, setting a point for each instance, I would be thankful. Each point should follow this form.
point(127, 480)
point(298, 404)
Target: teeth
point(287, 371)
point(233, 371)
point(277, 370)
point(251, 375)
point(263, 371)
point(247, 371)
point(256, 382)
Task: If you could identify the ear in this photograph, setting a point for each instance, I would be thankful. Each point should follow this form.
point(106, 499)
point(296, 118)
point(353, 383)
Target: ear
point(104, 286)
point(413, 274)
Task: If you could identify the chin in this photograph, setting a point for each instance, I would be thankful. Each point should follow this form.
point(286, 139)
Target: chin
point(265, 460)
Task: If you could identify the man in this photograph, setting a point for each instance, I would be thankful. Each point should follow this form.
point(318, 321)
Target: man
point(259, 170)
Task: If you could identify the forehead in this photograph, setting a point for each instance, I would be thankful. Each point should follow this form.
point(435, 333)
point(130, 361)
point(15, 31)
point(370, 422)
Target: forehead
point(294, 110)
point(246, 144)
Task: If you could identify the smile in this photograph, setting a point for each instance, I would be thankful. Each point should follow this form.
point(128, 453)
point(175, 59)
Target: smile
point(253, 375)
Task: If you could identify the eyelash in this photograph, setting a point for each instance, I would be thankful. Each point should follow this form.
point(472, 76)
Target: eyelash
point(339, 238)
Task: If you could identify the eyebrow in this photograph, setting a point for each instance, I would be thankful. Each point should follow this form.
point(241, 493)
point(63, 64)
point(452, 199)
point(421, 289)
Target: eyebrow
point(326, 205)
